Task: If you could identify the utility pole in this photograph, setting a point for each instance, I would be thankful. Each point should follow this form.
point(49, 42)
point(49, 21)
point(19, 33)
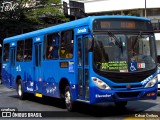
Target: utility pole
point(145, 11)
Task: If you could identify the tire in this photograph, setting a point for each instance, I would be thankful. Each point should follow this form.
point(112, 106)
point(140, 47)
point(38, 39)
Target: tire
point(121, 104)
point(70, 105)
point(21, 94)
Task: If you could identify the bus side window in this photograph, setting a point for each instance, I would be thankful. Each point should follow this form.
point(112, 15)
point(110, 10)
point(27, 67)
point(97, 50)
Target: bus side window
point(20, 49)
point(51, 46)
point(67, 44)
point(6, 52)
point(28, 50)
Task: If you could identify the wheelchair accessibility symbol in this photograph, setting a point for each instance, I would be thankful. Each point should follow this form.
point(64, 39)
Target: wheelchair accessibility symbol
point(133, 66)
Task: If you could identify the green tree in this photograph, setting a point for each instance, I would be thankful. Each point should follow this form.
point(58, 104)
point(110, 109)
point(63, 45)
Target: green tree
point(18, 15)
point(46, 11)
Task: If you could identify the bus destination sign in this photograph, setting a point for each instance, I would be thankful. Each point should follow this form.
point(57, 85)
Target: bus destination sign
point(113, 24)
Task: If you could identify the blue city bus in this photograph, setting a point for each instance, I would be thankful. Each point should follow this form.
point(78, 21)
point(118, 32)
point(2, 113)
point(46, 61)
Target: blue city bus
point(92, 60)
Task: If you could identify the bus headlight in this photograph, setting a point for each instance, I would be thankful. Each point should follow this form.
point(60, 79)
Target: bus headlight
point(100, 84)
point(151, 83)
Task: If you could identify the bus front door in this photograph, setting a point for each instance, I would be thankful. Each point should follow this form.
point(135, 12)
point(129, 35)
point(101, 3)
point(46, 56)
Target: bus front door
point(12, 68)
point(37, 67)
point(83, 73)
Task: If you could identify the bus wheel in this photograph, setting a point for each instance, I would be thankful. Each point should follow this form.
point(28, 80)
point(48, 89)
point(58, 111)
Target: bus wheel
point(68, 99)
point(20, 92)
point(121, 104)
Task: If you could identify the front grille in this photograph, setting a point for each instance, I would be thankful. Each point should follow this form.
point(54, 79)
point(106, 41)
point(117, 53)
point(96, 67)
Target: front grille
point(132, 86)
point(127, 94)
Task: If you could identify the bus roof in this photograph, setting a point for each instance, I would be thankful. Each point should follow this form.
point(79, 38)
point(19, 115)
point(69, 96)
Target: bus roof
point(65, 26)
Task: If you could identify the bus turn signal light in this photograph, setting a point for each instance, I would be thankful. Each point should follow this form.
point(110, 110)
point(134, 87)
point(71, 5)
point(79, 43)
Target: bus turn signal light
point(151, 94)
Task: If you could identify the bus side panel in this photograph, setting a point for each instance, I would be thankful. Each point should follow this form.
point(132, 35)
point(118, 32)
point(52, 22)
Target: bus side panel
point(22, 71)
point(52, 74)
point(27, 77)
point(49, 87)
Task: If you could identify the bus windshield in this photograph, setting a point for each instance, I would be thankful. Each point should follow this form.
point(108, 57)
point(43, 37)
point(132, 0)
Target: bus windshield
point(120, 52)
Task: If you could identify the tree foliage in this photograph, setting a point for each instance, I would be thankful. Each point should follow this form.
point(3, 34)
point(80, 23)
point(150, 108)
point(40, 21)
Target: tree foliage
point(46, 11)
point(22, 14)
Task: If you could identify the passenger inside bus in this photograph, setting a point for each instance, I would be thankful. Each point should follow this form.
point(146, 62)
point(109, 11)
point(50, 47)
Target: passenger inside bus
point(69, 53)
point(63, 49)
point(53, 49)
point(20, 55)
point(50, 52)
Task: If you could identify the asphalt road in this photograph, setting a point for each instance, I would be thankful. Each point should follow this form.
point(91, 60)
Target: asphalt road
point(54, 108)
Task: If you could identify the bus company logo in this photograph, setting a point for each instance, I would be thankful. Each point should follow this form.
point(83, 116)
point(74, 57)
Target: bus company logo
point(128, 86)
point(146, 80)
point(83, 30)
point(18, 68)
point(102, 96)
point(29, 89)
point(38, 39)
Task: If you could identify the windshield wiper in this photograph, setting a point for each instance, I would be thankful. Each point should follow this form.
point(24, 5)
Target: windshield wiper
point(138, 36)
point(119, 44)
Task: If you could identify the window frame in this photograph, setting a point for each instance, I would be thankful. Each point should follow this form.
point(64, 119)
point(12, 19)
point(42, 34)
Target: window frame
point(67, 37)
point(49, 43)
point(28, 49)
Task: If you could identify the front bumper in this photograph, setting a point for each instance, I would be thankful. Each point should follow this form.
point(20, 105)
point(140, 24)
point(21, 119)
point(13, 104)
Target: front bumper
point(97, 95)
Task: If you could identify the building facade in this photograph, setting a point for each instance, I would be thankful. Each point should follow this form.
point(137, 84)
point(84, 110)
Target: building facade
point(142, 8)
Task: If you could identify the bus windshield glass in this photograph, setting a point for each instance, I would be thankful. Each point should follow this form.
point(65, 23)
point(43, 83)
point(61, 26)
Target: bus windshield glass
point(118, 52)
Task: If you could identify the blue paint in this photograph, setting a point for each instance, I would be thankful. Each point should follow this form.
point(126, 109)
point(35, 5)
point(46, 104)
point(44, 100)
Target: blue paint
point(46, 77)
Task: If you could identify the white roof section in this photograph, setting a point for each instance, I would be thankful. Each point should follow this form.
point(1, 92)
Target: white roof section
point(157, 36)
point(92, 6)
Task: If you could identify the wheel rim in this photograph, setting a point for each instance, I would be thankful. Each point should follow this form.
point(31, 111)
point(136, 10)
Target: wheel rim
point(19, 90)
point(68, 98)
